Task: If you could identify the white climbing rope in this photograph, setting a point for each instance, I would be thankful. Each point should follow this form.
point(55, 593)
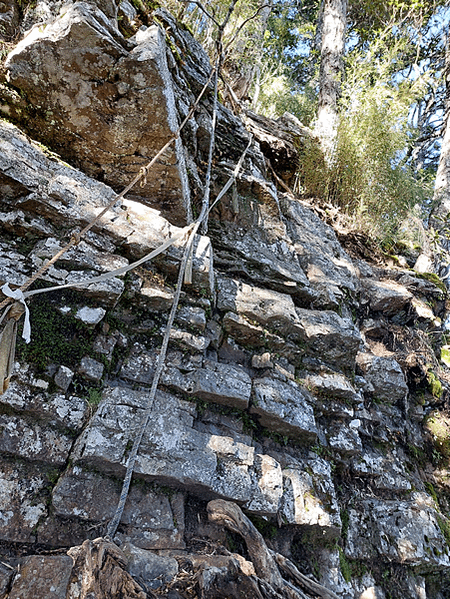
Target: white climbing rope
point(114, 523)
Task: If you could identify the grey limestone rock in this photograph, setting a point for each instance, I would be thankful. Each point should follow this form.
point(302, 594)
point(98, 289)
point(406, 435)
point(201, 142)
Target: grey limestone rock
point(189, 341)
point(43, 577)
point(35, 442)
point(63, 377)
point(344, 438)
point(332, 386)
point(174, 452)
point(406, 532)
point(329, 269)
point(15, 222)
point(13, 267)
point(91, 369)
point(271, 309)
point(154, 570)
point(191, 316)
point(333, 339)
point(105, 344)
point(385, 296)
point(221, 383)
point(90, 316)
point(149, 516)
point(6, 574)
point(22, 501)
point(310, 498)
point(385, 375)
point(57, 410)
point(271, 263)
point(82, 257)
point(285, 408)
point(9, 19)
point(95, 74)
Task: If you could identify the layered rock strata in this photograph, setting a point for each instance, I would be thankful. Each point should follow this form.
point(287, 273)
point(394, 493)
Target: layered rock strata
point(297, 379)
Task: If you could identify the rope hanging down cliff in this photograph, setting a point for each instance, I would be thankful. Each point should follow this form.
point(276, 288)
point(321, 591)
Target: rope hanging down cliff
point(143, 172)
point(12, 313)
point(114, 523)
point(183, 274)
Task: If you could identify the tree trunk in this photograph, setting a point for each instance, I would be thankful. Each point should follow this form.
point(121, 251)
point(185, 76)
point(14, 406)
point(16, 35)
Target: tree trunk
point(331, 68)
point(441, 197)
point(243, 66)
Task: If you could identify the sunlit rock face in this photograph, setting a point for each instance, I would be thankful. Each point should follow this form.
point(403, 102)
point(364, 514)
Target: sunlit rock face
point(104, 103)
point(296, 377)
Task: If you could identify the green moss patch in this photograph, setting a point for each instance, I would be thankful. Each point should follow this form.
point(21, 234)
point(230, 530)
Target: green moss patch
point(445, 355)
point(434, 385)
point(438, 425)
point(56, 338)
point(432, 278)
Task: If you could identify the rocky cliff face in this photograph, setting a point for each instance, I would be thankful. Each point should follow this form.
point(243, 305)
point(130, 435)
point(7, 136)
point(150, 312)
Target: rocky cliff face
point(301, 383)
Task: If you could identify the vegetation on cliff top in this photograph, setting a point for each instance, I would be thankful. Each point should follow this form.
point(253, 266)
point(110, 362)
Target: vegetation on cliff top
point(384, 89)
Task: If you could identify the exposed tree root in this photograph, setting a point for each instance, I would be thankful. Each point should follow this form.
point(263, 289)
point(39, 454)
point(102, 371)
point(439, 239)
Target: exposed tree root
point(267, 563)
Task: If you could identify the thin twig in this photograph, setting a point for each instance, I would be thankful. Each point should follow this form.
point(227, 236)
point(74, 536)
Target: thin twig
point(239, 29)
point(202, 8)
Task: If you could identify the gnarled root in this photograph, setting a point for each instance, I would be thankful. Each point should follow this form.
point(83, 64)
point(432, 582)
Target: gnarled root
point(265, 561)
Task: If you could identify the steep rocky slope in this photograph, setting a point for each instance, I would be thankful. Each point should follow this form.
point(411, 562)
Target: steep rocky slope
point(301, 383)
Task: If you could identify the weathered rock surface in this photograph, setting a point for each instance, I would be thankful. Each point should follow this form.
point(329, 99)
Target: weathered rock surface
point(284, 408)
point(292, 385)
point(148, 520)
point(406, 532)
point(328, 267)
point(173, 451)
point(310, 498)
point(385, 376)
point(43, 576)
point(386, 296)
point(104, 104)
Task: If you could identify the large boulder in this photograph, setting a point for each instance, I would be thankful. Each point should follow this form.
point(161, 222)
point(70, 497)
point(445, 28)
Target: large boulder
point(104, 103)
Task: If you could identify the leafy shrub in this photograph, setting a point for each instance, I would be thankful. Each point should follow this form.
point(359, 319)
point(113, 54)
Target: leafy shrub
point(368, 176)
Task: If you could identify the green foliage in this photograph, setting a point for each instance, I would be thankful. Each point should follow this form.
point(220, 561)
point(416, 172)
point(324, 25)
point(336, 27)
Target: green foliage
point(434, 384)
point(444, 525)
point(431, 491)
point(345, 519)
point(432, 278)
point(266, 528)
point(279, 96)
point(445, 355)
point(345, 566)
point(368, 177)
point(94, 396)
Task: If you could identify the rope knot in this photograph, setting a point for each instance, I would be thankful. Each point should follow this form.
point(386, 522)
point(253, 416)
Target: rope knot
point(143, 172)
point(75, 238)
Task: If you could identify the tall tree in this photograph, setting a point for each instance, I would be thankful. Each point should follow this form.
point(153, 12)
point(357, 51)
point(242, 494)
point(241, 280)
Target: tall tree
point(441, 197)
point(331, 70)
